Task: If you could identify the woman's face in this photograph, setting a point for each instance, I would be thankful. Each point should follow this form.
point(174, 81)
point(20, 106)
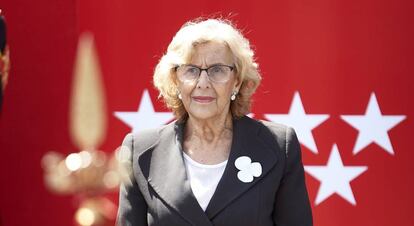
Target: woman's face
point(202, 98)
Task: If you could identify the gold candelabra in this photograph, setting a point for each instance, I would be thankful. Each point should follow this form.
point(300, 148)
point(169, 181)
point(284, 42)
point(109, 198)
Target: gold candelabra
point(89, 173)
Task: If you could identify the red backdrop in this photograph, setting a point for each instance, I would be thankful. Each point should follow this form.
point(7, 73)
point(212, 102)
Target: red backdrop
point(335, 54)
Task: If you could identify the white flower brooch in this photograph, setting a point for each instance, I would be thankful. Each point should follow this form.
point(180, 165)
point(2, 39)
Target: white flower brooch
point(248, 169)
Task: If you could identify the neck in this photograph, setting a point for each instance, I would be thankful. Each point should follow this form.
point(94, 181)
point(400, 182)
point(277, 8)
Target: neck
point(209, 129)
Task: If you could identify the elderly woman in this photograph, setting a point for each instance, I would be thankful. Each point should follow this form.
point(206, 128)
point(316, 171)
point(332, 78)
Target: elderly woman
point(213, 165)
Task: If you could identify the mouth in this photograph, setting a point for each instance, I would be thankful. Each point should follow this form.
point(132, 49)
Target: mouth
point(203, 99)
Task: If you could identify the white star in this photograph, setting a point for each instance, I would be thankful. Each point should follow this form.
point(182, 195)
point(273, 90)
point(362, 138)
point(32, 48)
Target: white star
point(303, 123)
point(335, 177)
point(145, 117)
point(373, 126)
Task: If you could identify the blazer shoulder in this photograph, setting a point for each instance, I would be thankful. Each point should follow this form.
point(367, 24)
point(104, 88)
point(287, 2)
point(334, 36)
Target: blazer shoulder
point(141, 141)
point(281, 133)
point(277, 128)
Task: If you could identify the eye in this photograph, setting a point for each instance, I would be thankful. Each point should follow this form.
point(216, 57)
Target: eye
point(191, 70)
point(216, 69)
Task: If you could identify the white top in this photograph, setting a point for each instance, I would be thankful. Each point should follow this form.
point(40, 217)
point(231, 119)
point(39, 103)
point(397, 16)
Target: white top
point(203, 179)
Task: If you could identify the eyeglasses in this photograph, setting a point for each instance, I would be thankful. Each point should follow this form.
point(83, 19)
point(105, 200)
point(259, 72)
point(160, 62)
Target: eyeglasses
point(216, 73)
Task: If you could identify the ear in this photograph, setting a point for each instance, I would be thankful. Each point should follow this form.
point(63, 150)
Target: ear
point(174, 79)
point(237, 84)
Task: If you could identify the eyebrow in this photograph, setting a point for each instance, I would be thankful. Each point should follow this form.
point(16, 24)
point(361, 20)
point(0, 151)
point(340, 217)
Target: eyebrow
point(208, 66)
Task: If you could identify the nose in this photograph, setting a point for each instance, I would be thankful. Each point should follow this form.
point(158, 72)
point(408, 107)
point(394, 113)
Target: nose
point(203, 81)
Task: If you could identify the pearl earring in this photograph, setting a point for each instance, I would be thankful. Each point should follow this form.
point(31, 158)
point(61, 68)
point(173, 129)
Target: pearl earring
point(179, 96)
point(233, 95)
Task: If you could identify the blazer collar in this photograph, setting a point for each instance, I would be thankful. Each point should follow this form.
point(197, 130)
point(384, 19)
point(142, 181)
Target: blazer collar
point(246, 142)
point(164, 168)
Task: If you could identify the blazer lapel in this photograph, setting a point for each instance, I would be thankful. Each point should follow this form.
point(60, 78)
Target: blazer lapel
point(164, 168)
point(246, 142)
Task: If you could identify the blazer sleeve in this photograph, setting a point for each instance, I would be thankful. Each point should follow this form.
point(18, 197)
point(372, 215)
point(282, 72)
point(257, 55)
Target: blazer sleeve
point(132, 210)
point(292, 207)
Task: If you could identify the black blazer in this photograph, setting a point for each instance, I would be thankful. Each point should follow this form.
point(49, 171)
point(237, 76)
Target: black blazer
point(159, 193)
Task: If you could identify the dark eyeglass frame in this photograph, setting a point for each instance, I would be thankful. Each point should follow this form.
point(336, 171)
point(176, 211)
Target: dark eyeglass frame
point(204, 69)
